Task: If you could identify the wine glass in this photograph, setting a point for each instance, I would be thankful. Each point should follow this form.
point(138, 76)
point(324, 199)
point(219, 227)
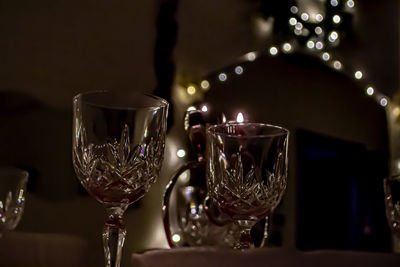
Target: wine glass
point(391, 188)
point(246, 172)
point(118, 148)
point(12, 192)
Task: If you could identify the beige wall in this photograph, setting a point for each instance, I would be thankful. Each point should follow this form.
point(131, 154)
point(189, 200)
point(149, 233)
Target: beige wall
point(54, 49)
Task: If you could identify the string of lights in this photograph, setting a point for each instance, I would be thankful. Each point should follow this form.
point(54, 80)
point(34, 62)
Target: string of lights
point(313, 31)
point(313, 34)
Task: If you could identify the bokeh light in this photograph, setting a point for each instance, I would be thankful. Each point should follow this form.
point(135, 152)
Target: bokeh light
point(181, 153)
point(326, 56)
point(222, 77)
point(287, 47)
point(383, 102)
point(176, 238)
point(294, 9)
point(336, 19)
point(310, 44)
point(319, 17)
point(350, 3)
point(337, 64)
point(205, 84)
point(358, 75)
point(251, 56)
point(239, 70)
point(191, 90)
point(273, 50)
point(304, 16)
point(370, 90)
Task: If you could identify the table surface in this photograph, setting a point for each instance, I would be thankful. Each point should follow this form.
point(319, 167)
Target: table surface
point(45, 250)
point(271, 257)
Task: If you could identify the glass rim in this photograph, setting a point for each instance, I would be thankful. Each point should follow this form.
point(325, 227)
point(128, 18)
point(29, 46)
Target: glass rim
point(162, 102)
point(282, 131)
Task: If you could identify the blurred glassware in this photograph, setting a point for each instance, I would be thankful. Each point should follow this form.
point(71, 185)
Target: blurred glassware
point(392, 203)
point(186, 216)
point(246, 172)
point(118, 149)
point(190, 217)
point(12, 197)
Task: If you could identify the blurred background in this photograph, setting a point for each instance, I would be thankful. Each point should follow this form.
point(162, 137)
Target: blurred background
point(325, 69)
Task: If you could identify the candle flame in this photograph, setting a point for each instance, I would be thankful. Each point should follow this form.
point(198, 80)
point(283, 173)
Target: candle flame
point(223, 118)
point(240, 117)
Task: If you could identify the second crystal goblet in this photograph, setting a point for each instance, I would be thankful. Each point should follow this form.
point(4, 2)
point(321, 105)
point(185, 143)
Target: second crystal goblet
point(118, 148)
point(246, 172)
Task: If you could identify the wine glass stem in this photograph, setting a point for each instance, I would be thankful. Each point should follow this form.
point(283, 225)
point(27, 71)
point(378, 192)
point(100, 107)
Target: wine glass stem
point(114, 233)
point(245, 241)
point(265, 239)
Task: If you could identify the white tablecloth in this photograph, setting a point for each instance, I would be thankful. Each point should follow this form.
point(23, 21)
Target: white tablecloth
point(271, 257)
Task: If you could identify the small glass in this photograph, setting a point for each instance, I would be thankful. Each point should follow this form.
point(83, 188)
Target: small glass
point(13, 183)
point(246, 172)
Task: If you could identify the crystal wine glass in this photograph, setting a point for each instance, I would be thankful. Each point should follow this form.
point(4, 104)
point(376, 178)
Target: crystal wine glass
point(118, 147)
point(13, 183)
point(246, 172)
point(391, 188)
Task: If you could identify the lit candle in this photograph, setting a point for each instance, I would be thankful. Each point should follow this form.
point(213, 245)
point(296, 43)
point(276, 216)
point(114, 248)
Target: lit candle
point(240, 117)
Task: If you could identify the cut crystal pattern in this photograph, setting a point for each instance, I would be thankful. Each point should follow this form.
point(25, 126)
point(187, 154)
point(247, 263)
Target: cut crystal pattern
point(245, 191)
point(117, 171)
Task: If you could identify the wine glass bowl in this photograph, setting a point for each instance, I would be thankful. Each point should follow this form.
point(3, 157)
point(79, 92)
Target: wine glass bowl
point(13, 183)
point(246, 172)
point(118, 148)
